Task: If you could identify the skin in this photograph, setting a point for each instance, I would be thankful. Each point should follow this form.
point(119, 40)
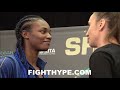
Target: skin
point(98, 31)
point(38, 39)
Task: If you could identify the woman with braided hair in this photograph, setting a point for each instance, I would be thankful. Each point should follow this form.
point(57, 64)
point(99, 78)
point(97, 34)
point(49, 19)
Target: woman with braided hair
point(33, 34)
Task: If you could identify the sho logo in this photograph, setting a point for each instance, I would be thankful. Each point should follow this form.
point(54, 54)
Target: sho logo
point(48, 52)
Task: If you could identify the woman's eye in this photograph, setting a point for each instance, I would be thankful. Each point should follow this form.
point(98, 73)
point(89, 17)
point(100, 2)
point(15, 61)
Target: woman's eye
point(43, 31)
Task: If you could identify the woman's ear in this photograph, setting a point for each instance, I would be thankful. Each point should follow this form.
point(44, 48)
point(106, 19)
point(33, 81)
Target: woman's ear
point(101, 24)
point(25, 34)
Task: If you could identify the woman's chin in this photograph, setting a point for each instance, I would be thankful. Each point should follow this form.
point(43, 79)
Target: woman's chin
point(44, 49)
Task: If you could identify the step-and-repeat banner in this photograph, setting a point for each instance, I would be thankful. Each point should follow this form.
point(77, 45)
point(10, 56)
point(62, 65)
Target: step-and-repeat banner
point(69, 50)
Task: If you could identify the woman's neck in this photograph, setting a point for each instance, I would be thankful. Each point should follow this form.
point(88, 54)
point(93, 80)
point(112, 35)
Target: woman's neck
point(106, 41)
point(31, 55)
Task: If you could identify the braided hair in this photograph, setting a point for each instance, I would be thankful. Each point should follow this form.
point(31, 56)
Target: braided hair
point(24, 24)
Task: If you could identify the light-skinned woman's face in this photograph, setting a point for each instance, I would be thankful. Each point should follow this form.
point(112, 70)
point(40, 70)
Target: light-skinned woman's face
point(92, 33)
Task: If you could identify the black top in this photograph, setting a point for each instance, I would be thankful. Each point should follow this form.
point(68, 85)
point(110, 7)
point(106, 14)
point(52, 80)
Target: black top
point(105, 62)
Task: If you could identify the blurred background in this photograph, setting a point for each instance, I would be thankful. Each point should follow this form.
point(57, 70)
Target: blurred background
point(8, 20)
